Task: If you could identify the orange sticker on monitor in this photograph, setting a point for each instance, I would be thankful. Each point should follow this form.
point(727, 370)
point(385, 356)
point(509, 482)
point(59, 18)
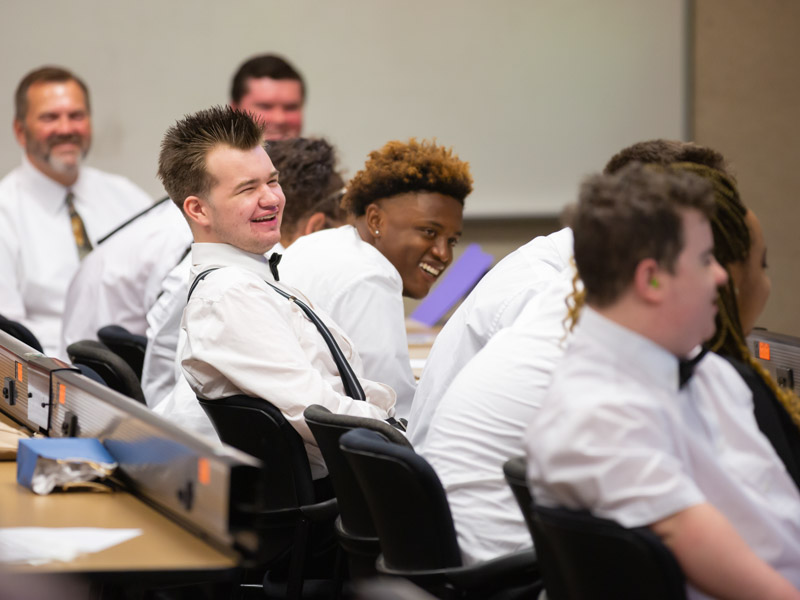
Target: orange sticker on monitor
point(203, 471)
point(19, 371)
point(763, 350)
point(62, 393)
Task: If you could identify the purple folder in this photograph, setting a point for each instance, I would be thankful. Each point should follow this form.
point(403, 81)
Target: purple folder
point(458, 280)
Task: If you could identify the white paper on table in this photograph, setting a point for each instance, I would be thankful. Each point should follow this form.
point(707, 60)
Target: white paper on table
point(39, 545)
point(38, 407)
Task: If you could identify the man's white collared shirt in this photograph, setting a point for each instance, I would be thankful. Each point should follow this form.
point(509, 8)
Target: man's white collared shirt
point(481, 421)
point(494, 304)
point(119, 281)
point(38, 255)
point(239, 336)
point(362, 291)
point(617, 436)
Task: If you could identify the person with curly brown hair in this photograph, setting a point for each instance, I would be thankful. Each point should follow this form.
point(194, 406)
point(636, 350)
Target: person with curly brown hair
point(406, 205)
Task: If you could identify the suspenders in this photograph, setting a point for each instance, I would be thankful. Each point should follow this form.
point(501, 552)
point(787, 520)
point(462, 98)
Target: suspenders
point(352, 387)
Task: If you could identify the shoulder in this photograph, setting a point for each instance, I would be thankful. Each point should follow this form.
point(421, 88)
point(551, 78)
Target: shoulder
point(338, 259)
point(8, 188)
point(119, 183)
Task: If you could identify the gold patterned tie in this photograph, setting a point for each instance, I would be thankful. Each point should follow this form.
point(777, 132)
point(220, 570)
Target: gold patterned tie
point(78, 229)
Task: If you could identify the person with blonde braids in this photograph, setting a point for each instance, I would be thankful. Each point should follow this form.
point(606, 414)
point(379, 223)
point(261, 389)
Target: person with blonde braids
point(406, 205)
point(739, 247)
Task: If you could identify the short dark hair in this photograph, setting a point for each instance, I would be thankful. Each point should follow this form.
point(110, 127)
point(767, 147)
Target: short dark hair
point(265, 65)
point(402, 167)
point(632, 215)
point(47, 74)
point(309, 179)
point(185, 147)
point(664, 152)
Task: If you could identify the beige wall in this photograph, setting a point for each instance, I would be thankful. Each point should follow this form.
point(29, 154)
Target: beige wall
point(747, 105)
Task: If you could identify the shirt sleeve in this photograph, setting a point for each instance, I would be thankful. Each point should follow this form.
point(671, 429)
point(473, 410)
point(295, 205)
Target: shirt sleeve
point(616, 460)
point(12, 305)
point(371, 313)
point(241, 337)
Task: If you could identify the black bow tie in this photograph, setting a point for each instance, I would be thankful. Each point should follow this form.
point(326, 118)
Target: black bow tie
point(686, 367)
point(274, 259)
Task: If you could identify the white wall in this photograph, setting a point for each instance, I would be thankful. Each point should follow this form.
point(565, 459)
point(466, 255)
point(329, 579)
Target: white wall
point(534, 93)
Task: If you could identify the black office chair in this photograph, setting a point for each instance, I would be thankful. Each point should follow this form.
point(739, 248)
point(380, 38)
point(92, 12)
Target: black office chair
point(354, 527)
point(108, 365)
point(20, 332)
point(129, 346)
point(288, 512)
point(583, 557)
point(415, 526)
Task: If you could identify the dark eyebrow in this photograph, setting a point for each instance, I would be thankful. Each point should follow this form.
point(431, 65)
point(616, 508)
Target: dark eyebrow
point(275, 173)
point(440, 226)
point(244, 184)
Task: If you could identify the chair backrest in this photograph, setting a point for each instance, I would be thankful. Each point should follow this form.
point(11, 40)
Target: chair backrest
point(585, 557)
point(515, 472)
point(112, 369)
point(20, 332)
point(256, 427)
point(129, 346)
point(407, 503)
point(327, 428)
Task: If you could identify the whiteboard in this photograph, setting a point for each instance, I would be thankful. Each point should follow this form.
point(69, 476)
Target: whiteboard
point(535, 94)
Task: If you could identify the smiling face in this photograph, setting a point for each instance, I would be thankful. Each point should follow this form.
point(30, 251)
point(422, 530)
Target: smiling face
point(57, 130)
point(245, 203)
point(277, 103)
point(750, 277)
point(416, 232)
point(690, 290)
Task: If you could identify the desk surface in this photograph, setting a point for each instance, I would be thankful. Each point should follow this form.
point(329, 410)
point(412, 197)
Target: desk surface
point(163, 545)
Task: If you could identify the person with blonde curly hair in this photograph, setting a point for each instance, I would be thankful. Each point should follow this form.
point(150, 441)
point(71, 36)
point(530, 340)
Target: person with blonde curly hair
point(406, 205)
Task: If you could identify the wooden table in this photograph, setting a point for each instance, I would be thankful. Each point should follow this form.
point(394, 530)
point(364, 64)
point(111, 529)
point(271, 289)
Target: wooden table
point(164, 552)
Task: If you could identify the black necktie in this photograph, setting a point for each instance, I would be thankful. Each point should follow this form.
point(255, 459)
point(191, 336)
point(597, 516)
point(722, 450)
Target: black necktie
point(274, 261)
point(686, 367)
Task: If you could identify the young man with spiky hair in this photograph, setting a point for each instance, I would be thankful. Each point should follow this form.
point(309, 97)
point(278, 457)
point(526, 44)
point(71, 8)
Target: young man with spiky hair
point(240, 334)
point(639, 425)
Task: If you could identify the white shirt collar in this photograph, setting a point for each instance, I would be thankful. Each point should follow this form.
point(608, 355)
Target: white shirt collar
point(210, 255)
point(635, 352)
point(48, 192)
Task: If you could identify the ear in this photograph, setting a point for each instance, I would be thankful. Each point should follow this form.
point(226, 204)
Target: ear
point(647, 281)
point(316, 222)
point(374, 218)
point(19, 132)
point(196, 210)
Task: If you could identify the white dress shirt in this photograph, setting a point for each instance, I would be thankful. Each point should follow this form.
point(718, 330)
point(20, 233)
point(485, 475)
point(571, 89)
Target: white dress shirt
point(121, 278)
point(481, 421)
point(38, 255)
point(494, 304)
point(161, 371)
point(362, 291)
point(615, 435)
point(239, 336)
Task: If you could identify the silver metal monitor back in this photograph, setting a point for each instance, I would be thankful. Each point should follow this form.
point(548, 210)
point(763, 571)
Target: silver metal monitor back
point(198, 482)
point(779, 354)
